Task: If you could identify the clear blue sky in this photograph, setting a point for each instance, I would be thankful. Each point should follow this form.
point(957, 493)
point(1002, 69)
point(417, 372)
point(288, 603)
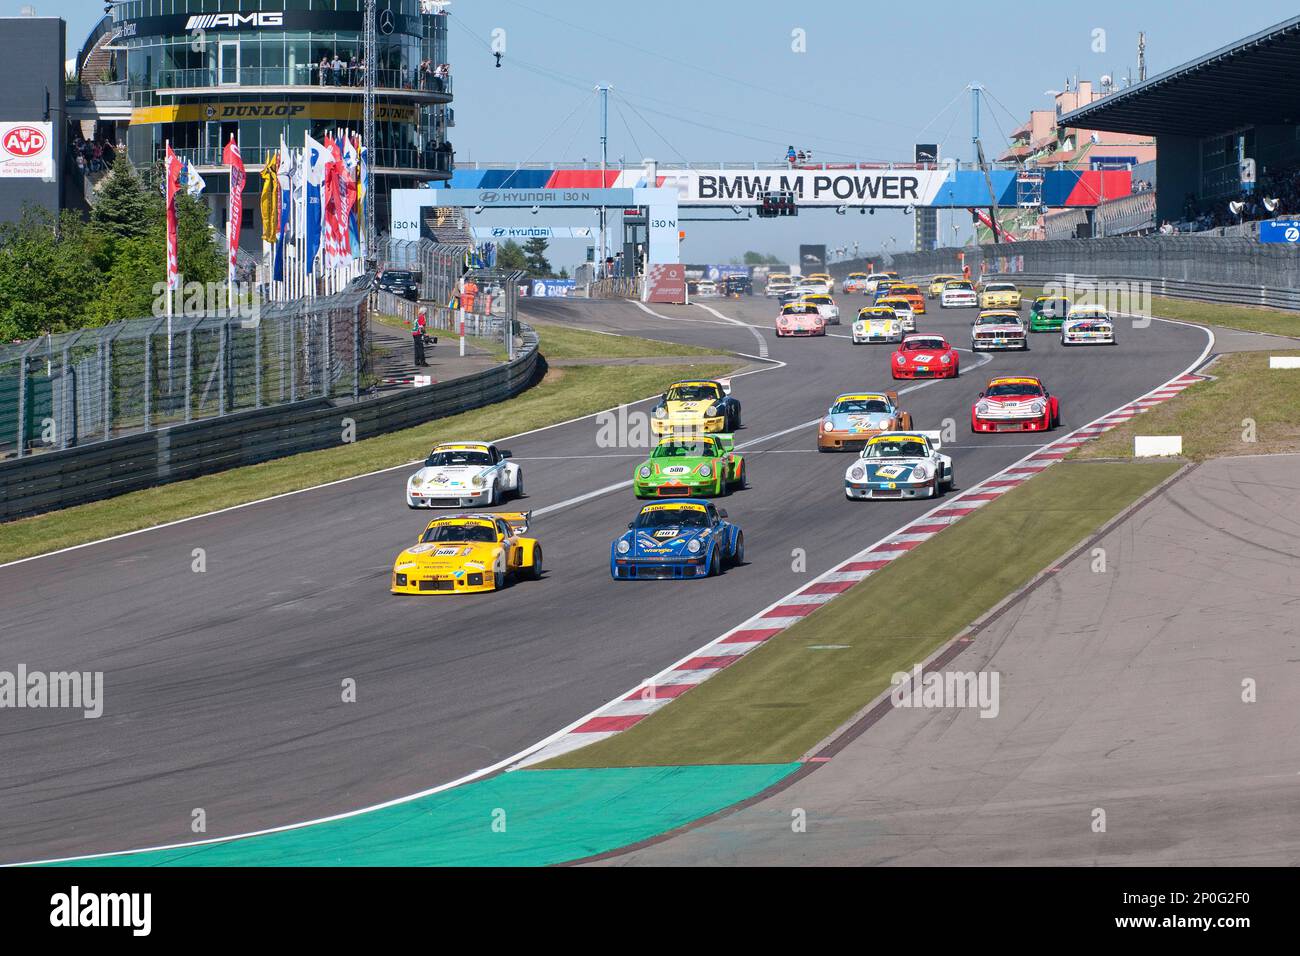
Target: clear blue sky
point(714, 80)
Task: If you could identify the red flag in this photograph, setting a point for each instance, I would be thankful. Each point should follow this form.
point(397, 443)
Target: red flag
point(230, 156)
point(173, 174)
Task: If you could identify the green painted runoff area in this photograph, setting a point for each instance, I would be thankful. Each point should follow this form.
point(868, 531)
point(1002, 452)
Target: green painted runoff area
point(541, 817)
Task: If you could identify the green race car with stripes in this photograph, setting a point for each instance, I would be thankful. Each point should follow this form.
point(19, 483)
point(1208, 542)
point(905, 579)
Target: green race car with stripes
point(1048, 313)
point(690, 465)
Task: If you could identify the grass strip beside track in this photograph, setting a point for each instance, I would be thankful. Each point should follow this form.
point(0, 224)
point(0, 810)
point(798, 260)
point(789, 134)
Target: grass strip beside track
point(1252, 318)
point(779, 701)
point(563, 394)
point(1217, 417)
point(564, 342)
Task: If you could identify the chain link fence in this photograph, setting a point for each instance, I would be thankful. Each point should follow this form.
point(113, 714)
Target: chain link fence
point(1233, 269)
point(72, 389)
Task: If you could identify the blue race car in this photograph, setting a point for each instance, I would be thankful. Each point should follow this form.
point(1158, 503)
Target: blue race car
point(688, 538)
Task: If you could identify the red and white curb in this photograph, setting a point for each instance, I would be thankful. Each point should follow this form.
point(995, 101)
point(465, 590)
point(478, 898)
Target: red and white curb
point(694, 669)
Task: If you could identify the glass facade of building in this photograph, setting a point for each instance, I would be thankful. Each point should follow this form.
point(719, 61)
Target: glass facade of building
point(198, 71)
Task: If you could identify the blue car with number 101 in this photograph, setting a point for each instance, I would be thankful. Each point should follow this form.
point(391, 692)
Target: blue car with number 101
point(687, 538)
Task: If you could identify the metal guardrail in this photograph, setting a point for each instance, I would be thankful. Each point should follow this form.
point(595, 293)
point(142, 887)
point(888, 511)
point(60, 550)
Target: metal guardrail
point(1227, 269)
point(33, 485)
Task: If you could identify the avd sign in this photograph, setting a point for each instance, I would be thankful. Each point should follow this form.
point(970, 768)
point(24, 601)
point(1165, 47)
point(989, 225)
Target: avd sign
point(26, 151)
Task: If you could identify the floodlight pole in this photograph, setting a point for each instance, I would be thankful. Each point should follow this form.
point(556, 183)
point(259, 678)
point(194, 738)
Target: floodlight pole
point(604, 145)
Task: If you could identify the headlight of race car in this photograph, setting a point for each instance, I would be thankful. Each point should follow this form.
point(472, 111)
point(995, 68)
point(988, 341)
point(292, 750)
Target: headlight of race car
point(921, 472)
point(705, 471)
point(645, 471)
point(828, 425)
point(900, 360)
point(660, 412)
point(858, 473)
point(982, 408)
point(416, 480)
point(946, 360)
point(1038, 407)
point(477, 481)
point(693, 546)
point(623, 547)
point(711, 411)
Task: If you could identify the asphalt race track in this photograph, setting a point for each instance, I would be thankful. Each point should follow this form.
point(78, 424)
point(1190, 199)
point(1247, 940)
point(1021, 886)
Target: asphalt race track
point(222, 688)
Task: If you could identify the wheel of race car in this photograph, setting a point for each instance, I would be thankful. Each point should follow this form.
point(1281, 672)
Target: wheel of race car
point(492, 496)
point(715, 563)
point(534, 570)
point(498, 580)
point(519, 484)
point(738, 553)
point(735, 421)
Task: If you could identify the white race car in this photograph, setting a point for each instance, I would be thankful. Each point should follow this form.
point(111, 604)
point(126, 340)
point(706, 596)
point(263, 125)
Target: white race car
point(877, 324)
point(904, 464)
point(777, 284)
point(998, 329)
point(463, 474)
point(1088, 325)
point(830, 312)
point(810, 286)
point(873, 281)
point(958, 295)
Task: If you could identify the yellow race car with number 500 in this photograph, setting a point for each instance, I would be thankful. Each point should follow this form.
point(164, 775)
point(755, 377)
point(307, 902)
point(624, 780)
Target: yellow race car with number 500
point(469, 553)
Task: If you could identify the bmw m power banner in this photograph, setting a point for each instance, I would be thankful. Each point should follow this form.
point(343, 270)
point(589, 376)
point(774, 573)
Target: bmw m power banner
point(821, 187)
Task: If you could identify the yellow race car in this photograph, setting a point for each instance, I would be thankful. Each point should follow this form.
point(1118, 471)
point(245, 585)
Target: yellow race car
point(999, 295)
point(465, 554)
point(695, 405)
point(938, 282)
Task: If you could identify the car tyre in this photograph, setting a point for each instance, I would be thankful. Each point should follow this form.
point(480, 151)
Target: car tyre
point(534, 571)
point(715, 562)
point(738, 553)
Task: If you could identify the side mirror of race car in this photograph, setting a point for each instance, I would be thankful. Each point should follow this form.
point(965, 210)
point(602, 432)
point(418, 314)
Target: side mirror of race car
point(629, 525)
point(506, 454)
point(722, 512)
point(981, 395)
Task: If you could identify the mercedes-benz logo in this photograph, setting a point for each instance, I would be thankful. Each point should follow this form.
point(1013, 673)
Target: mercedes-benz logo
point(386, 25)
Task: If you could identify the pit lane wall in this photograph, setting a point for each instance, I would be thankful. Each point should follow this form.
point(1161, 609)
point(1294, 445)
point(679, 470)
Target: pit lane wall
point(57, 479)
point(1230, 269)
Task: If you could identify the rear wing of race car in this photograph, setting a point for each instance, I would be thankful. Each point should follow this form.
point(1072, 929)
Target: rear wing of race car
point(517, 520)
point(726, 385)
point(936, 439)
point(726, 442)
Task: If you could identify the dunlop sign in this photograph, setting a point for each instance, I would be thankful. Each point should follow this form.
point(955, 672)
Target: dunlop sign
point(829, 187)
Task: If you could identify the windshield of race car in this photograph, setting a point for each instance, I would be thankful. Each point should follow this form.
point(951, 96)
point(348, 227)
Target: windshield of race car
point(925, 345)
point(459, 531)
point(818, 299)
point(697, 392)
point(672, 518)
point(999, 287)
point(459, 456)
point(962, 286)
point(863, 406)
point(996, 320)
point(1014, 390)
point(895, 448)
point(800, 308)
point(905, 290)
point(685, 448)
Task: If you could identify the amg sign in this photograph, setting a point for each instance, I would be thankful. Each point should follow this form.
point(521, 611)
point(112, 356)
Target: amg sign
point(829, 187)
point(233, 21)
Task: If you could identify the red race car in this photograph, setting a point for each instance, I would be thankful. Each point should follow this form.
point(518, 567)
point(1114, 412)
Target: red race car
point(924, 355)
point(1015, 403)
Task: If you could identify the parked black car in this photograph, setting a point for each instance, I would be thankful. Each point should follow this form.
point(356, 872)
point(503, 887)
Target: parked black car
point(738, 285)
point(401, 282)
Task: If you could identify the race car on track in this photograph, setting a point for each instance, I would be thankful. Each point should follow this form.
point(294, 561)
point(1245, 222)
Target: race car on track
point(858, 416)
point(1088, 325)
point(706, 288)
point(1015, 403)
point(825, 277)
point(877, 323)
point(874, 280)
point(830, 312)
point(696, 406)
point(900, 465)
point(462, 474)
point(999, 295)
point(958, 294)
point(810, 286)
point(912, 293)
point(462, 554)
point(924, 355)
point(998, 329)
point(690, 466)
point(677, 539)
point(800, 318)
point(855, 283)
point(884, 289)
point(901, 308)
point(777, 282)
point(1048, 312)
point(937, 284)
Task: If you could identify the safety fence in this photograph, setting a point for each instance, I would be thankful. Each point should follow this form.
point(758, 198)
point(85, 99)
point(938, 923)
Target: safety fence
point(620, 287)
point(97, 384)
point(1231, 269)
point(56, 479)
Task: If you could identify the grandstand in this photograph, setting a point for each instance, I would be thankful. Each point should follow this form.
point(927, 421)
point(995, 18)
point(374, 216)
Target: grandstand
point(1240, 101)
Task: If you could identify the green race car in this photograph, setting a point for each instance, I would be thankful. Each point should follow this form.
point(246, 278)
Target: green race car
point(690, 466)
point(1048, 312)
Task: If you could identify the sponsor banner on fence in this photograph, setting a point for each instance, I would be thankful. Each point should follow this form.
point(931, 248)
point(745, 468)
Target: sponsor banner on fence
point(552, 288)
point(822, 187)
point(666, 283)
point(26, 150)
point(533, 232)
point(1280, 230)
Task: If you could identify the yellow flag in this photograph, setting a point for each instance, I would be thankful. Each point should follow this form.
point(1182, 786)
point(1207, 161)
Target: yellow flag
point(270, 199)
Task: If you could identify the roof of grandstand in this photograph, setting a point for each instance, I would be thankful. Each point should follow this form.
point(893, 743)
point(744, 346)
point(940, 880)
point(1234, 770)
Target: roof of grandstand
point(1254, 81)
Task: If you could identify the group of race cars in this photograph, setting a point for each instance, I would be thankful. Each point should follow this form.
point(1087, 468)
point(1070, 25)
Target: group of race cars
point(682, 533)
